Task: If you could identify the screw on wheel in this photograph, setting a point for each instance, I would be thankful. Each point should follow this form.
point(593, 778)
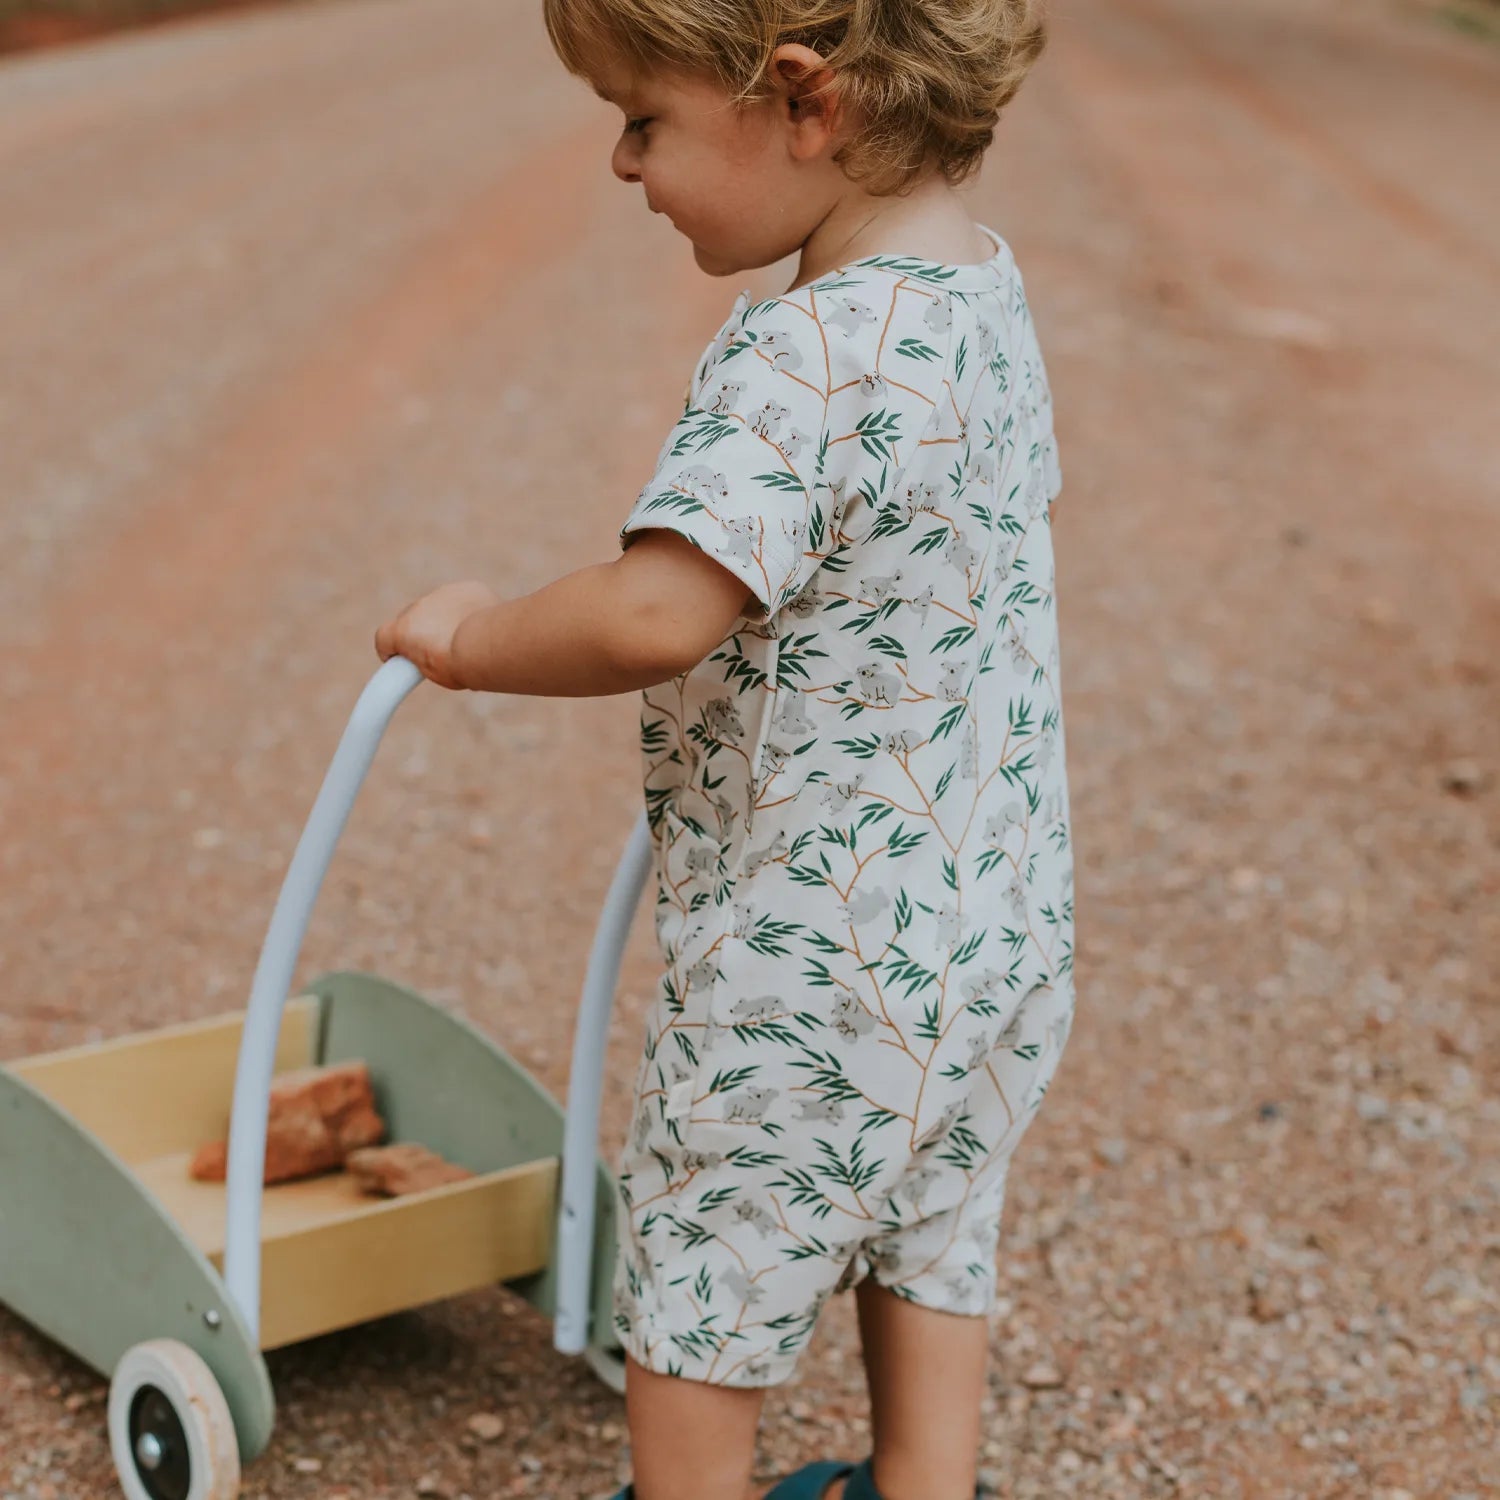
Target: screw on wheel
point(170, 1431)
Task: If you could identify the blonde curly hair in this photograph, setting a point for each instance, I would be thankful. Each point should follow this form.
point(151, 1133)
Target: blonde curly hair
point(925, 79)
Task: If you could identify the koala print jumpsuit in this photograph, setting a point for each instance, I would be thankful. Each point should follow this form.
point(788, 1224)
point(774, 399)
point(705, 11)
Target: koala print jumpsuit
point(859, 812)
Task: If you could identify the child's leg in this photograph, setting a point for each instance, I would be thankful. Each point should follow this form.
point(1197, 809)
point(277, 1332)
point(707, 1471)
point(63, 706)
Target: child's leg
point(926, 1376)
point(689, 1440)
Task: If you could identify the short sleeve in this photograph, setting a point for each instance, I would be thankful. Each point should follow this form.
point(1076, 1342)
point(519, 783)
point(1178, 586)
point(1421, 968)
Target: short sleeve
point(741, 475)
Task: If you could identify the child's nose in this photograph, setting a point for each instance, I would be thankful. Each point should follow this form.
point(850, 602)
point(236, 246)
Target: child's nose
point(626, 160)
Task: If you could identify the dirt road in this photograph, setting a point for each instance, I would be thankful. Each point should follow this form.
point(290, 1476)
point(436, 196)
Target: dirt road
point(304, 312)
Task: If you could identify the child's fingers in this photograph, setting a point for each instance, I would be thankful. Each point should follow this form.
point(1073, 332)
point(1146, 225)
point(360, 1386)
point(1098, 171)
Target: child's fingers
point(388, 637)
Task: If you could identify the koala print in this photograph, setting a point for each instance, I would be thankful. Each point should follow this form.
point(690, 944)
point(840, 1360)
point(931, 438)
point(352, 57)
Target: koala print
point(820, 1109)
point(916, 498)
point(922, 602)
point(741, 1287)
point(940, 1128)
point(808, 602)
point(703, 483)
point(722, 719)
point(701, 861)
point(872, 385)
point(979, 1049)
point(916, 1186)
point(776, 849)
point(950, 925)
point(750, 1105)
point(983, 986)
point(1036, 495)
point(724, 397)
point(738, 539)
point(878, 589)
point(772, 758)
point(643, 1124)
point(754, 1215)
point(702, 1161)
point(901, 742)
point(837, 795)
point(876, 684)
point(1042, 760)
point(726, 814)
point(712, 1031)
point(954, 681)
point(766, 422)
point(849, 316)
point(1014, 1028)
point(1015, 893)
point(1001, 572)
point(960, 553)
point(778, 343)
point(864, 906)
point(756, 1010)
point(885, 1258)
point(850, 1019)
point(744, 918)
point(703, 973)
point(792, 717)
point(1000, 823)
point(938, 316)
point(793, 442)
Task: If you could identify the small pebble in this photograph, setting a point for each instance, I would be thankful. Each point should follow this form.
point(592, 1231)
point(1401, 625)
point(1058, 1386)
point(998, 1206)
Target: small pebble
point(1464, 777)
point(486, 1426)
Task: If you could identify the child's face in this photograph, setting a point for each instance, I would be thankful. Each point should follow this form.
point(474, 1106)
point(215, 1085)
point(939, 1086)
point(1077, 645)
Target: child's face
point(746, 185)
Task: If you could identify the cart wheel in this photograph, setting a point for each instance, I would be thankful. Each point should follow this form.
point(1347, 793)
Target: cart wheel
point(608, 1365)
point(170, 1431)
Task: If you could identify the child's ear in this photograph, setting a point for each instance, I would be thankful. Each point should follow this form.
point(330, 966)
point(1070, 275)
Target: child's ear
point(801, 79)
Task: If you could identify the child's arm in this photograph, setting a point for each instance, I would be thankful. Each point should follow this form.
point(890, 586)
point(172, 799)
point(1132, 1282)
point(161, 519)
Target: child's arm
point(615, 627)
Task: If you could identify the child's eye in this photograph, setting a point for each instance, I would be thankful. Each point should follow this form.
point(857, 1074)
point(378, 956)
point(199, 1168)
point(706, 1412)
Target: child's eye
point(638, 125)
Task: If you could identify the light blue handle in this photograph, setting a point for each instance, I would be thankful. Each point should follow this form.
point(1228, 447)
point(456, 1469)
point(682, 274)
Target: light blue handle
point(383, 695)
point(575, 1214)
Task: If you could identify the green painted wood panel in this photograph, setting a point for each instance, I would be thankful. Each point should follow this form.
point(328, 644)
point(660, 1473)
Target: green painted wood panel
point(444, 1083)
point(91, 1259)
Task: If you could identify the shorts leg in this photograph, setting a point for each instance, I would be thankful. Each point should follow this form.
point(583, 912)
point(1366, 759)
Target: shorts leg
point(945, 1214)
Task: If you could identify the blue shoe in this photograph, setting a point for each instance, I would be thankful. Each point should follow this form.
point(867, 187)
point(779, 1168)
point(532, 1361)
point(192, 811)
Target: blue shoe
point(809, 1482)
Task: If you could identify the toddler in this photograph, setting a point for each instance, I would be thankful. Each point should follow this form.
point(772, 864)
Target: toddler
point(836, 593)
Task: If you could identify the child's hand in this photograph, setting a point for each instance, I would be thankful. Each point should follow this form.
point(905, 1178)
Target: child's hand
point(423, 632)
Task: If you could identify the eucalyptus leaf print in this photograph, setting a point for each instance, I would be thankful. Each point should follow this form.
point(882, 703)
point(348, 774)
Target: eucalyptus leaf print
point(859, 812)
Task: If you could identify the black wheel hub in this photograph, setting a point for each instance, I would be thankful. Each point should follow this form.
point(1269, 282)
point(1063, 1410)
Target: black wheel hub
point(159, 1446)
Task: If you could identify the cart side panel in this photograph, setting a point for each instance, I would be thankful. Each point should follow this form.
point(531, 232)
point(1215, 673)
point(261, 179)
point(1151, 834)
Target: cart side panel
point(152, 1092)
point(88, 1257)
point(445, 1084)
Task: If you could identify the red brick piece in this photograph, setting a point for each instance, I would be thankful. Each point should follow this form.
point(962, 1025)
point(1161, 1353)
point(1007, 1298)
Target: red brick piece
point(393, 1171)
point(317, 1116)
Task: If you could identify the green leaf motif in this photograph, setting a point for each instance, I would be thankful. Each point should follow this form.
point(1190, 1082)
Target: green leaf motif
point(710, 428)
point(674, 500)
point(784, 479)
point(877, 431)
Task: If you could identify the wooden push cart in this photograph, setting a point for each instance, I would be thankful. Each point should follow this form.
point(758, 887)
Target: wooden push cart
point(173, 1287)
